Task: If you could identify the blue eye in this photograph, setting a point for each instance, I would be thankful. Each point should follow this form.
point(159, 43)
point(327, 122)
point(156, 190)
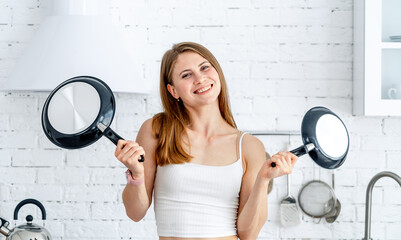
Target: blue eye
point(204, 68)
point(186, 75)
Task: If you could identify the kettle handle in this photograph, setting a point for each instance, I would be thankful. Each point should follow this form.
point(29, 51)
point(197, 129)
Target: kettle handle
point(27, 201)
point(3, 222)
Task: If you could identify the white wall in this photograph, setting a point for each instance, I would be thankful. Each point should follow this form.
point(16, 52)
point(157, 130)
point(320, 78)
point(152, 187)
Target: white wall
point(280, 58)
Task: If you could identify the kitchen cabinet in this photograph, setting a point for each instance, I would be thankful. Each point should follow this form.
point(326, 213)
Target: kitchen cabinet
point(377, 57)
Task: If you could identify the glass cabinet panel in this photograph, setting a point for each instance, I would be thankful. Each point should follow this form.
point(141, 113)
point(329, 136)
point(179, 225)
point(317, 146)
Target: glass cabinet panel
point(391, 49)
point(391, 20)
point(391, 74)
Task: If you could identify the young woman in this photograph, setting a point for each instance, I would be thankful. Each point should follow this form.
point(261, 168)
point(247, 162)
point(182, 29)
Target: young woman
point(209, 180)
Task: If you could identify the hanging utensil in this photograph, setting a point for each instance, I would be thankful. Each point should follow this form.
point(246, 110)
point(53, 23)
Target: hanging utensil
point(332, 216)
point(289, 214)
point(317, 199)
point(325, 138)
point(78, 112)
point(28, 230)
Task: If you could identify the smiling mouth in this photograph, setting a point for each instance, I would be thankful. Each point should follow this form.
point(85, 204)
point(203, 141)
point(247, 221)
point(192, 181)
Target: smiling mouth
point(204, 89)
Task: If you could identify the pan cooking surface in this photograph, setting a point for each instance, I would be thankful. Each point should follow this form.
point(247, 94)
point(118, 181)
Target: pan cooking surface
point(74, 107)
point(332, 135)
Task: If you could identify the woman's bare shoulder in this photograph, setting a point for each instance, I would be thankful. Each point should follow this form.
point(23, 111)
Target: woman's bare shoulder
point(145, 132)
point(253, 148)
point(252, 142)
point(147, 125)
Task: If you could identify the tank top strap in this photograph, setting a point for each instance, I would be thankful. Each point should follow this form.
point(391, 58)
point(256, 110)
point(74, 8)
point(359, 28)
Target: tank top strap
point(240, 144)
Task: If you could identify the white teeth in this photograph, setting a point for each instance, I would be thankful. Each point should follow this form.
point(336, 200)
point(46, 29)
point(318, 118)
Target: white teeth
point(203, 89)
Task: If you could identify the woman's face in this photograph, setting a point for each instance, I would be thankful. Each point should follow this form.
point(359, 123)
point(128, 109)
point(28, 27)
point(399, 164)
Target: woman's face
point(195, 80)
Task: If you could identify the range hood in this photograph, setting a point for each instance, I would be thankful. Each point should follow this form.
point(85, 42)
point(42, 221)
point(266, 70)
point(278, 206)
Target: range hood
point(76, 38)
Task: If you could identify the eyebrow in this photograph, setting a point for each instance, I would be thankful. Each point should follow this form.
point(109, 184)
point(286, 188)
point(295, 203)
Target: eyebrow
point(189, 69)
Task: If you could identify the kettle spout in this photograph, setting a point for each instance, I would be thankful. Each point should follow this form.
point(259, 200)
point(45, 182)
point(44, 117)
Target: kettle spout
point(4, 227)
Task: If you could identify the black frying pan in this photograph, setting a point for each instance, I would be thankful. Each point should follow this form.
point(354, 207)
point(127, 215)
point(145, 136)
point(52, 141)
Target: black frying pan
point(325, 138)
point(78, 112)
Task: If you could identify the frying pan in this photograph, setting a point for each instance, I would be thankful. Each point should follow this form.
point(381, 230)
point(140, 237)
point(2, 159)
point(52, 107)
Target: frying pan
point(78, 112)
point(325, 138)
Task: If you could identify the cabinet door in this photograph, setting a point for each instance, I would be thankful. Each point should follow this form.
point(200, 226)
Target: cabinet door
point(377, 57)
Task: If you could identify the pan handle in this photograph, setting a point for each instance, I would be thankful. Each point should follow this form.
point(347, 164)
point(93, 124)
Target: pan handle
point(299, 151)
point(113, 136)
point(302, 150)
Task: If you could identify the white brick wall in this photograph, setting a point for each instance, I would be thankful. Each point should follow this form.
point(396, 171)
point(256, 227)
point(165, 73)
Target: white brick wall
point(280, 58)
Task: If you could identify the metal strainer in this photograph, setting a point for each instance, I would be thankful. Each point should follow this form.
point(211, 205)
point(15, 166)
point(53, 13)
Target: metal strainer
point(317, 199)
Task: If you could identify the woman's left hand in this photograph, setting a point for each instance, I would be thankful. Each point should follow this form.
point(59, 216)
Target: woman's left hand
point(284, 162)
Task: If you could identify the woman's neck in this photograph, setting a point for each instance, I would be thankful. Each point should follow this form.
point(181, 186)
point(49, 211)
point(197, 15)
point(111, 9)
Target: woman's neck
point(207, 121)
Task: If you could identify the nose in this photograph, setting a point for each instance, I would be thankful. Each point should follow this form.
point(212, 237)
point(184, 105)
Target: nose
point(199, 77)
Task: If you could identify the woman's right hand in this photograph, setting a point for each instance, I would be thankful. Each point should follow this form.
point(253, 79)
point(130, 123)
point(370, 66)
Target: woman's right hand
point(284, 163)
point(128, 153)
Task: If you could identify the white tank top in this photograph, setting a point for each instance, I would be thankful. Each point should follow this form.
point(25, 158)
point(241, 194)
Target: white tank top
point(197, 201)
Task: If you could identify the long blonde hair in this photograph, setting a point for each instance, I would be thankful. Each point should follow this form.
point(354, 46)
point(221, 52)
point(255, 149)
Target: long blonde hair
point(169, 126)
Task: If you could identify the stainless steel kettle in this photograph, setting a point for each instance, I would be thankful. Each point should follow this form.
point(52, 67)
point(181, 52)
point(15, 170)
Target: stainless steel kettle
point(26, 231)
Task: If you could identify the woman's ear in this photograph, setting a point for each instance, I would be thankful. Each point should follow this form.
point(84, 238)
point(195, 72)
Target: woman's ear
point(172, 91)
